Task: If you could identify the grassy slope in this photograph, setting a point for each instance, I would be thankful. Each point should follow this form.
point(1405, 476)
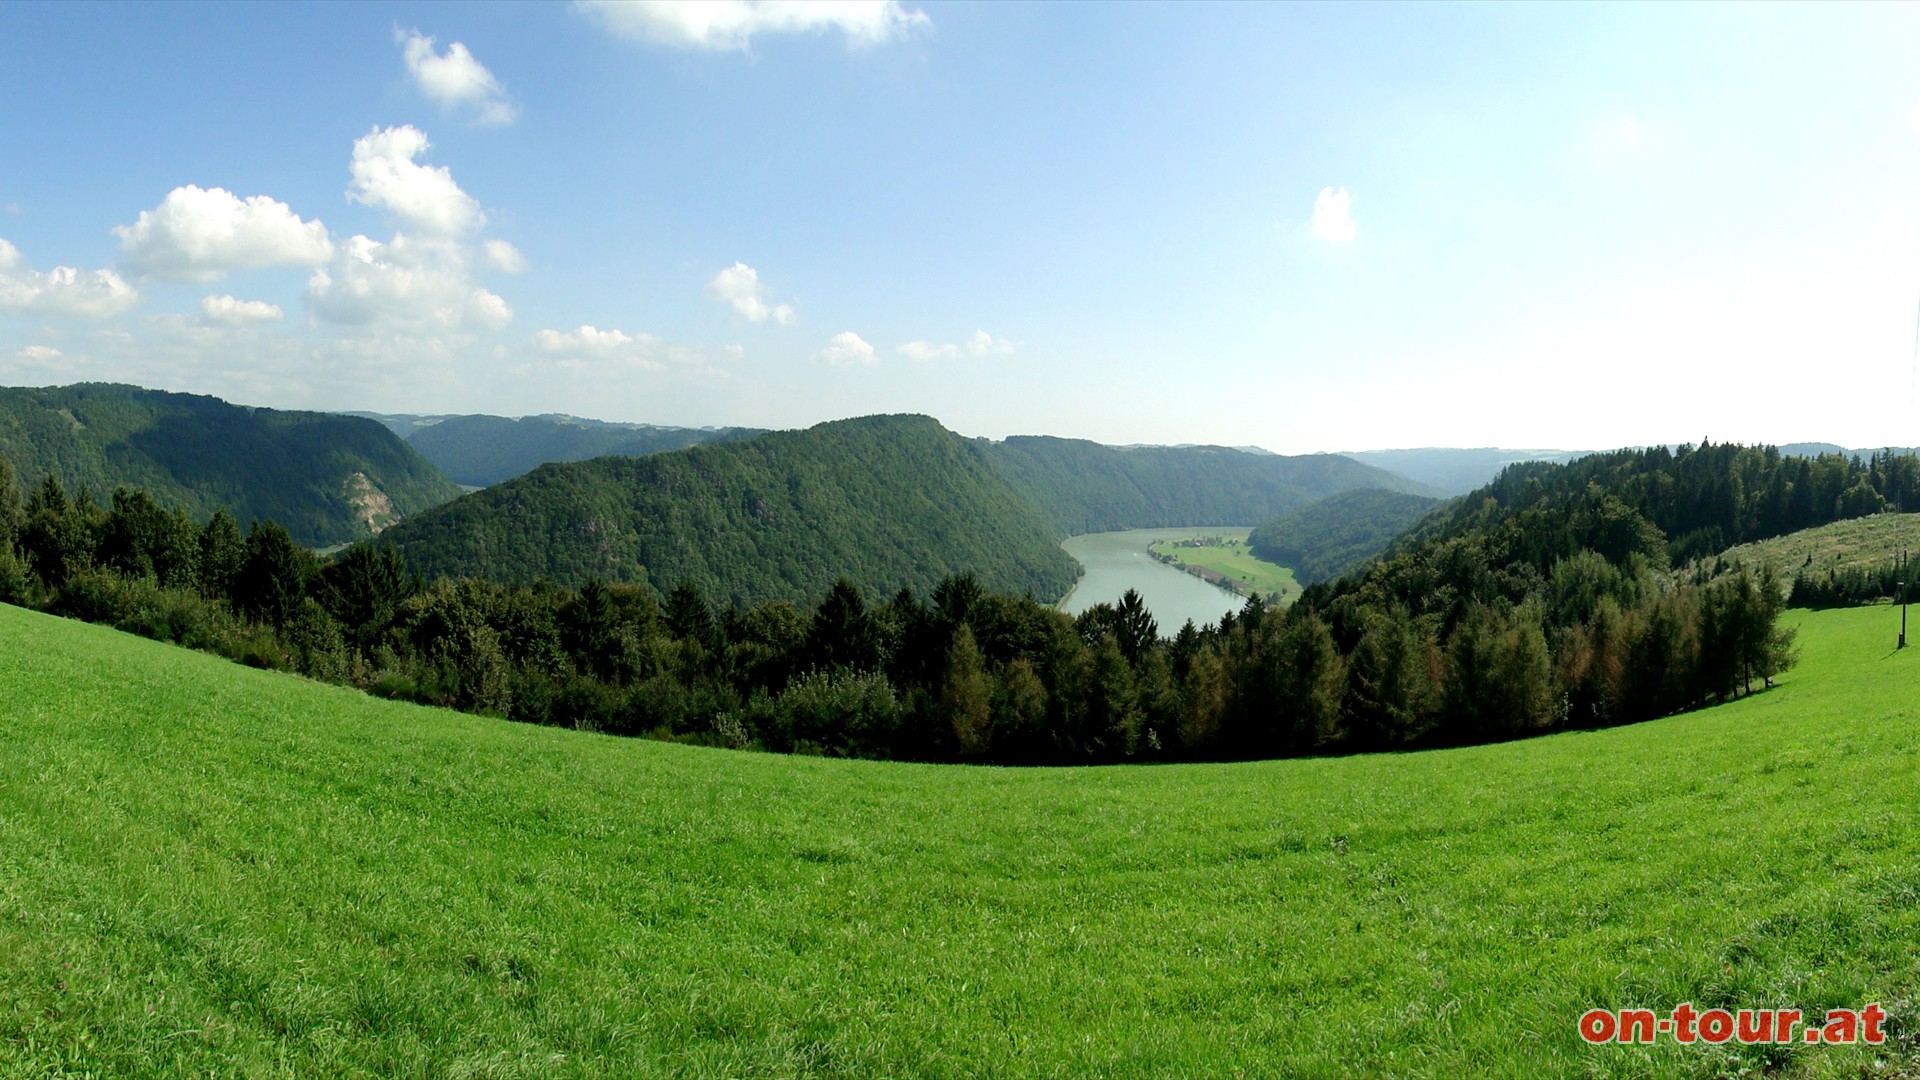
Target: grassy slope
point(210, 870)
point(1255, 575)
point(1867, 541)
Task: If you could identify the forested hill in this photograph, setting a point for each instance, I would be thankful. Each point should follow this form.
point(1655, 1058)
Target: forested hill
point(1085, 487)
point(481, 451)
point(1325, 539)
point(328, 479)
point(1703, 499)
point(886, 501)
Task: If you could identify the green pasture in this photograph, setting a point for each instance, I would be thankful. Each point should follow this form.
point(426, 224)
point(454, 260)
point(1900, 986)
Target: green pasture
point(1233, 559)
point(207, 870)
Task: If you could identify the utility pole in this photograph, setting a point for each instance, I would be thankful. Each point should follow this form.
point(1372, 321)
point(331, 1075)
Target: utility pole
point(1903, 601)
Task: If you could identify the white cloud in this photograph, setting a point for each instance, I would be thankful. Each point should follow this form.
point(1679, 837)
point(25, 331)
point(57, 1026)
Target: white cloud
point(1332, 216)
point(14, 209)
point(228, 311)
point(425, 197)
point(62, 290)
point(591, 349)
point(981, 344)
point(592, 343)
point(846, 350)
point(723, 25)
point(200, 234)
point(740, 286)
point(504, 256)
point(455, 79)
point(922, 351)
point(406, 282)
point(39, 354)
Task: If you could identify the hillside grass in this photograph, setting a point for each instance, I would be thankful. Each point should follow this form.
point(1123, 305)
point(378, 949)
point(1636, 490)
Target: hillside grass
point(1842, 545)
point(1253, 574)
point(207, 870)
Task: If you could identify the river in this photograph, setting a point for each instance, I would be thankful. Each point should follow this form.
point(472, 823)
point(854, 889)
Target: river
point(1118, 561)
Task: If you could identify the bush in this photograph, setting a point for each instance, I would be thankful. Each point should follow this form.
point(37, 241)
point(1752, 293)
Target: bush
point(840, 714)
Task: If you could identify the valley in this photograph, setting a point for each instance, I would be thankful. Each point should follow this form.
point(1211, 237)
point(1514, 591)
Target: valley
point(644, 539)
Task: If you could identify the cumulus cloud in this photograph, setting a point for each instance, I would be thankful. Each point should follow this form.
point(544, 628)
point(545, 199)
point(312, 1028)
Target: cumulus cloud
point(39, 354)
point(228, 311)
point(200, 234)
point(592, 343)
point(504, 256)
point(730, 25)
point(386, 175)
point(740, 286)
point(454, 78)
point(62, 290)
point(1333, 217)
point(405, 282)
point(846, 350)
point(981, 344)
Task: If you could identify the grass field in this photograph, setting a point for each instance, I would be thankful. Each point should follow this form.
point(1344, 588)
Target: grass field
point(207, 870)
point(1254, 575)
point(1868, 541)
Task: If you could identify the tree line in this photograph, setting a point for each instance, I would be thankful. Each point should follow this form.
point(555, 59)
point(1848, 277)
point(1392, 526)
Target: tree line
point(1703, 499)
point(1534, 627)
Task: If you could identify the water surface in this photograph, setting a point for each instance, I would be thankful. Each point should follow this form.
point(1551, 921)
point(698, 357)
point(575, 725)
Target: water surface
point(1118, 561)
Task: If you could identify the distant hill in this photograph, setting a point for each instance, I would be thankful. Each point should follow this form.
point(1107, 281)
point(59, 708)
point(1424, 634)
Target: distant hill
point(329, 479)
point(1449, 471)
point(887, 501)
point(1325, 539)
point(1085, 487)
point(480, 451)
point(1702, 500)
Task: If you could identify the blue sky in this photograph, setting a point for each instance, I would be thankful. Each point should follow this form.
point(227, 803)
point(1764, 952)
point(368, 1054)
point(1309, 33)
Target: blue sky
point(1306, 228)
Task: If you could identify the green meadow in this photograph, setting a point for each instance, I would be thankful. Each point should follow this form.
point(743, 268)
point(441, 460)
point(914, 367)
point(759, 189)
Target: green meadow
point(207, 870)
point(1233, 559)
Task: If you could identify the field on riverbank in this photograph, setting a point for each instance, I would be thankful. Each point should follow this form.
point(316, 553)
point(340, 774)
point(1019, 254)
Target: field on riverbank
point(1230, 558)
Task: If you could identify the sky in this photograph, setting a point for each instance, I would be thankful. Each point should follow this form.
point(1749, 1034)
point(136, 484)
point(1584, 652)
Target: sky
point(1306, 228)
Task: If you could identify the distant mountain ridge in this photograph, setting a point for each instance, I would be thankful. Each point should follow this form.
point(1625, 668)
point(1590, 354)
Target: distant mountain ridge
point(1088, 487)
point(1450, 471)
point(480, 450)
point(329, 479)
point(886, 501)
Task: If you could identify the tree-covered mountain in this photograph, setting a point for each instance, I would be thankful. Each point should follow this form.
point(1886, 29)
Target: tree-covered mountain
point(480, 451)
point(885, 501)
point(328, 479)
point(1085, 487)
point(1325, 539)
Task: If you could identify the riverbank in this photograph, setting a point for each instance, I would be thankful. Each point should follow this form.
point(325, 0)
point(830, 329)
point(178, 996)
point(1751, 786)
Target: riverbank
point(1221, 558)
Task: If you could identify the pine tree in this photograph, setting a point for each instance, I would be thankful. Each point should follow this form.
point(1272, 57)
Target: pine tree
point(966, 697)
